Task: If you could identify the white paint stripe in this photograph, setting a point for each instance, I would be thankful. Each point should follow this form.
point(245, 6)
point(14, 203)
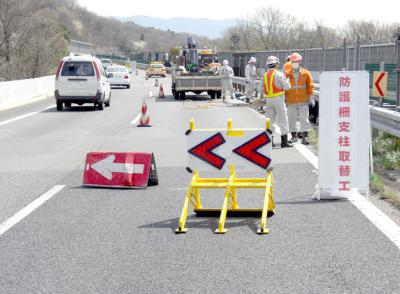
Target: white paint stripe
point(388, 227)
point(135, 121)
point(311, 157)
point(24, 212)
point(24, 116)
point(263, 117)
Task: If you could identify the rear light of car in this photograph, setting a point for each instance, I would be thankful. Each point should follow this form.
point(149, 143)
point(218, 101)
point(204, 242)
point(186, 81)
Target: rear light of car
point(97, 70)
point(59, 69)
point(126, 77)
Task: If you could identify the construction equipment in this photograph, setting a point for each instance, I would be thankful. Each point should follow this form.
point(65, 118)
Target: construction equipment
point(197, 71)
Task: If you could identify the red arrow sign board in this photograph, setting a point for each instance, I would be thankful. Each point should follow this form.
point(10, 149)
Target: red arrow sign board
point(203, 151)
point(219, 149)
point(379, 86)
point(249, 150)
point(117, 169)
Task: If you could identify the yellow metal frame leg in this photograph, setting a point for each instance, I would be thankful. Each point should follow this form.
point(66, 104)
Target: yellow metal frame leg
point(267, 205)
point(190, 193)
point(271, 195)
point(221, 225)
point(228, 195)
point(185, 209)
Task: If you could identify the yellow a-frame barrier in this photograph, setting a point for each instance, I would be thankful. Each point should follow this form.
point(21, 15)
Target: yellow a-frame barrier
point(230, 203)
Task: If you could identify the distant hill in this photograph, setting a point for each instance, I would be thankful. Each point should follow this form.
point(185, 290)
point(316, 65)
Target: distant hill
point(199, 26)
point(36, 34)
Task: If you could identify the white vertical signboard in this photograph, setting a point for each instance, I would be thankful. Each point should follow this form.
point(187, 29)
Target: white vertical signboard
point(344, 134)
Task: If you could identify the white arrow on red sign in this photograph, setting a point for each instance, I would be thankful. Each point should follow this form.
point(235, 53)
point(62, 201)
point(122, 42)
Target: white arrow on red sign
point(106, 167)
point(378, 87)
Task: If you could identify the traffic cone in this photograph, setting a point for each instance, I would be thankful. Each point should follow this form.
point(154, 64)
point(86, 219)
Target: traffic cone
point(156, 83)
point(161, 92)
point(144, 117)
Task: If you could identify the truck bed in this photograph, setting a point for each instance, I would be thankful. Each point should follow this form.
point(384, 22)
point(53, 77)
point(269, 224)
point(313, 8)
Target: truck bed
point(196, 83)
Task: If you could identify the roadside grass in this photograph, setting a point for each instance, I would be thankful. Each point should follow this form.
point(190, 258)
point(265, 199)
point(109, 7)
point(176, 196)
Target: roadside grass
point(386, 151)
point(313, 137)
point(376, 184)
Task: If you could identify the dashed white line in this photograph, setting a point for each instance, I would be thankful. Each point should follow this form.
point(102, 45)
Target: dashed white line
point(135, 121)
point(27, 210)
point(24, 116)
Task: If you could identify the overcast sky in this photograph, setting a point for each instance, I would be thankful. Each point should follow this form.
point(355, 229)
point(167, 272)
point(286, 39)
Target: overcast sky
point(333, 12)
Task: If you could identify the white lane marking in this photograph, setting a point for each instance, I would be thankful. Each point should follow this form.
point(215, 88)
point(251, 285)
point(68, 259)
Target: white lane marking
point(135, 121)
point(311, 157)
point(263, 117)
point(24, 116)
point(388, 227)
point(27, 210)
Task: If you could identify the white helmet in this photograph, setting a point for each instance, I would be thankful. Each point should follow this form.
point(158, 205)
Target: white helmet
point(272, 60)
point(225, 62)
point(252, 60)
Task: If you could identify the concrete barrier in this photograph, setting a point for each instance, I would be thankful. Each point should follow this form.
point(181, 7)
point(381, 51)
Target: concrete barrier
point(19, 92)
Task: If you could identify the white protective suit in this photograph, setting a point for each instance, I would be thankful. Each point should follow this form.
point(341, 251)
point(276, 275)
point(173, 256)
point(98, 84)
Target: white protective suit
point(226, 73)
point(276, 107)
point(250, 73)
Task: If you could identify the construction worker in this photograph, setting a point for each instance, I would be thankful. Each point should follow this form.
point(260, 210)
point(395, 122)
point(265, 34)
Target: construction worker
point(226, 73)
point(275, 84)
point(298, 97)
point(287, 66)
point(250, 73)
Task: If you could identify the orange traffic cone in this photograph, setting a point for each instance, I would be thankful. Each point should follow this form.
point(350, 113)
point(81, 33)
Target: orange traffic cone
point(156, 83)
point(161, 92)
point(144, 116)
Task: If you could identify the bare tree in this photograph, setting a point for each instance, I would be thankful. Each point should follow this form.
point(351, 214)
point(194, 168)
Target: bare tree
point(246, 28)
point(267, 21)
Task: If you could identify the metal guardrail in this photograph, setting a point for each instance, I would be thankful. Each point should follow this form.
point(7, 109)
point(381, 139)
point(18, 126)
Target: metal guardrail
point(385, 120)
point(382, 119)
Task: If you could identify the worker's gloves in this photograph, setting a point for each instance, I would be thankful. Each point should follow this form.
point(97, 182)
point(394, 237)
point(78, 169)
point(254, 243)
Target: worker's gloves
point(311, 101)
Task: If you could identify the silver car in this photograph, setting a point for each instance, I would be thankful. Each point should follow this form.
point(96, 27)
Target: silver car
point(118, 75)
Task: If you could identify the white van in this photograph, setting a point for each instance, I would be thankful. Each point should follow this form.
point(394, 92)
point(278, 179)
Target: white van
point(81, 79)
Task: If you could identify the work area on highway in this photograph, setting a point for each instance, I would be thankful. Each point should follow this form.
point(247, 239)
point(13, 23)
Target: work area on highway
point(82, 239)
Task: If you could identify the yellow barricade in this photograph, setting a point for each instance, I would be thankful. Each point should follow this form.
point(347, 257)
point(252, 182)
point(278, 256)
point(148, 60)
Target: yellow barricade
point(230, 204)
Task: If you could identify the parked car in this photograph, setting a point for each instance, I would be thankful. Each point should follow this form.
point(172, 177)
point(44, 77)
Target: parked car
point(156, 69)
point(118, 75)
point(106, 63)
point(81, 79)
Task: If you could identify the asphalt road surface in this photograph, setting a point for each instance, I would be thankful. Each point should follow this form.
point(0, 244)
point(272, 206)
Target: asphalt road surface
point(88, 240)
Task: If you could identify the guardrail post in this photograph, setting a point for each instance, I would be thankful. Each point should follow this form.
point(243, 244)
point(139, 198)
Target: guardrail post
point(358, 53)
point(344, 54)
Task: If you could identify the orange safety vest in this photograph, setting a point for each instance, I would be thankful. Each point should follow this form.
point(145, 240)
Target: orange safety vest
point(287, 66)
point(301, 89)
point(270, 89)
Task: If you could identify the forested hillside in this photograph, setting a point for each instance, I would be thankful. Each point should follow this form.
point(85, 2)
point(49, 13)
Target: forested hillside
point(34, 35)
